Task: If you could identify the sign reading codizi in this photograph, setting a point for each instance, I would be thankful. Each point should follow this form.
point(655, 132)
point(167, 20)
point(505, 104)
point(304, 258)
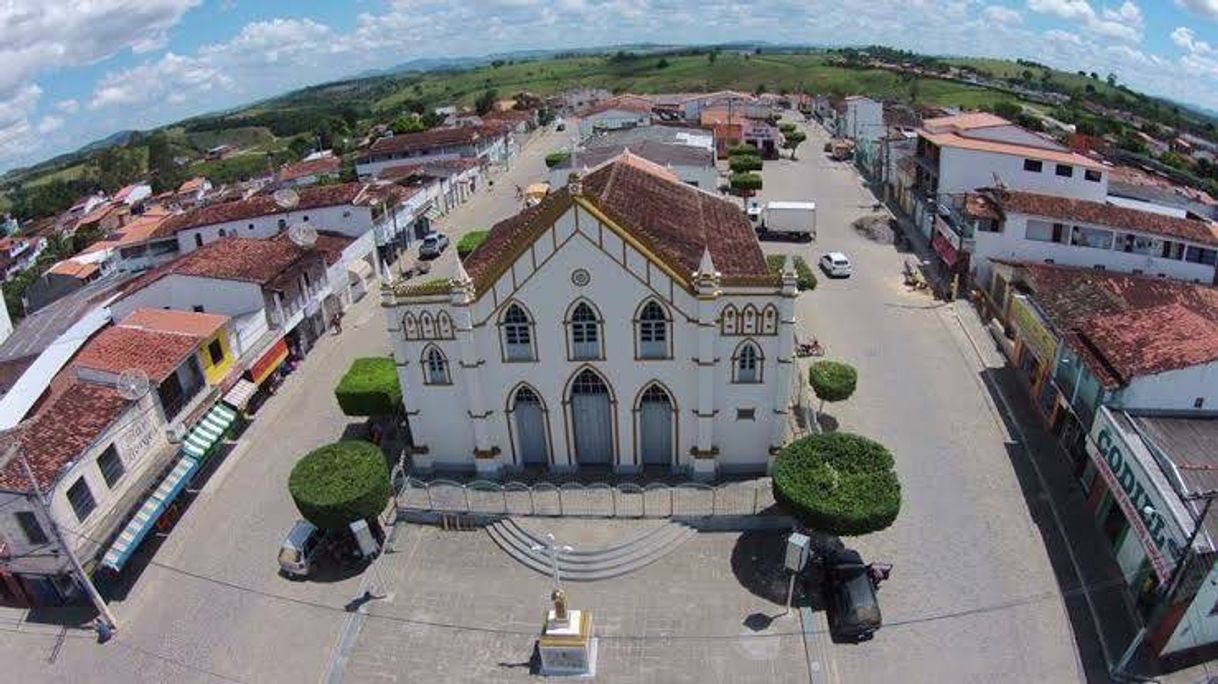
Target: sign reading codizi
point(1123, 465)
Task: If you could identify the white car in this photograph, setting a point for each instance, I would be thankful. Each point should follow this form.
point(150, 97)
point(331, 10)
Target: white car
point(753, 211)
point(433, 245)
point(836, 265)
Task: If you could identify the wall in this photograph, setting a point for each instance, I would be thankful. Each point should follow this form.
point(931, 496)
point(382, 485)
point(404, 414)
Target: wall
point(612, 119)
point(864, 119)
point(1174, 390)
point(966, 170)
point(494, 149)
point(1199, 625)
point(215, 373)
point(1011, 243)
point(541, 280)
point(347, 219)
point(241, 301)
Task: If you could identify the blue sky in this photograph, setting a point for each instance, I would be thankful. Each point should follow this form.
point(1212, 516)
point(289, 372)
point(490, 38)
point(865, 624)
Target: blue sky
point(75, 72)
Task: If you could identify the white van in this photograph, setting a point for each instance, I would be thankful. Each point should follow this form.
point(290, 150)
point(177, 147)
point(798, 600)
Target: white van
point(300, 548)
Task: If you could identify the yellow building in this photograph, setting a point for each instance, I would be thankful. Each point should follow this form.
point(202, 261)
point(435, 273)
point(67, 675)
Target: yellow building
point(214, 354)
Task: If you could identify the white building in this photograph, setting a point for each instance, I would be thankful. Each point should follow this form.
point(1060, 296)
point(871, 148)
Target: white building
point(487, 144)
point(864, 120)
point(309, 171)
point(693, 165)
point(740, 104)
point(624, 111)
point(629, 320)
point(1022, 226)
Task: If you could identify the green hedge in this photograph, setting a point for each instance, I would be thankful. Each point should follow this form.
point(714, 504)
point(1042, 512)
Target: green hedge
point(832, 380)
point(804, 272)
point(557, 157)
point(340, 483)
point(745, 149)
point(370, 388)
point(469, 242)
point(744, 162)
point(837, 483)
point(745, 182)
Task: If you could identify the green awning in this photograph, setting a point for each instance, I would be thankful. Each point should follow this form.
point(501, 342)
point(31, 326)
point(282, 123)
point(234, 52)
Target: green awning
point(208, 432)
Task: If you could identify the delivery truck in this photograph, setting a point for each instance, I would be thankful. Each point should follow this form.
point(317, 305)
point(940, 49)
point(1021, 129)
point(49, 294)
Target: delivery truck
point(790, 220)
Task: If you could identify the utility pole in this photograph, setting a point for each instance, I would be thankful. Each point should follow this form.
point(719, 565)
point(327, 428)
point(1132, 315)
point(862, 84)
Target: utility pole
point(77, 569)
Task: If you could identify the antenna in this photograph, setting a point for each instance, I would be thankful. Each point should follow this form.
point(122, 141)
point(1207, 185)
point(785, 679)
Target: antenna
point(132, 384)
point(286, 198)
point(303, 235)
point(998, 182)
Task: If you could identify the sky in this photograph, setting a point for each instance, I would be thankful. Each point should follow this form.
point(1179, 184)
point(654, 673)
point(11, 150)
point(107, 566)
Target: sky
point(76, 72)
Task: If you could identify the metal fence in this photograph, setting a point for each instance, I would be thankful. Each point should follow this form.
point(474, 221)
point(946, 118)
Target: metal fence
point(591, 500)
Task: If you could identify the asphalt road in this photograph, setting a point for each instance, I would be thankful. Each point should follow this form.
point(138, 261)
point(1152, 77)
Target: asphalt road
point(972, 596)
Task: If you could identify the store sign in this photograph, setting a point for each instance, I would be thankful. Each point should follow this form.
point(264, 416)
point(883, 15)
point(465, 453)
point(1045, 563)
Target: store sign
point(948, 234)
point(1144, 507)
point(1032, 329)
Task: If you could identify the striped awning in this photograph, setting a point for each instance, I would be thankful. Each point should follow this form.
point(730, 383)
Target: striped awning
point(433, 212)
point(240, 394)
point(208, 431)
point(141, 524)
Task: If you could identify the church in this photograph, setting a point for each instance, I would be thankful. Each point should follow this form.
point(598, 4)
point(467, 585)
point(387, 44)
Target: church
point(627, 322)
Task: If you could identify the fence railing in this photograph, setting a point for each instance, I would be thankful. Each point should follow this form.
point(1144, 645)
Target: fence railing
point(584, 500)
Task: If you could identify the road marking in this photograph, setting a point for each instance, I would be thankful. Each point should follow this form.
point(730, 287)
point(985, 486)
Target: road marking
point(822, 668)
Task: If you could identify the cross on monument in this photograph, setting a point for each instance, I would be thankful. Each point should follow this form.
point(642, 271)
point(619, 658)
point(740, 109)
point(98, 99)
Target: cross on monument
point(552, 548)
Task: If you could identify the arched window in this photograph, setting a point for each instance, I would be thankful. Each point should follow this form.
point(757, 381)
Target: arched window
point(223, 233)
point(731, 325)
point(517, 335)
point(435, 367)
point(653, 331)
point(427, 325)
point(585, 328)
point(198, 239)
point(445, 324)
point(748, 320)
point(746, 364)
point(410, 326)
point(769, 320)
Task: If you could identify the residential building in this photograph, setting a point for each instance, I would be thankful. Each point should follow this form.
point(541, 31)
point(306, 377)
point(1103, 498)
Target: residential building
point(483, 143)
point(444, 184)
point(580, 100)
point(134, 194)
point(700, 138)
point(693, 165)
point(19, 253)
point(731, 129)
point(309, 171)
point(863, 121)
point(192, 192)
point(739, 104)
point(624, 111)
point(520, 121)
point(673, 348)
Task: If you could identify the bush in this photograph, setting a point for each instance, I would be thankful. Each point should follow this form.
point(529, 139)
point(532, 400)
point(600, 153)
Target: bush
point(340, 483)
point(370, 388)
point(745, 183)
point(832, 380)
point(786, 127)
point(744, 162)
point(557, 157)
point(806, 276)
point(743, 150)
point(837, 483)
point(469, 242)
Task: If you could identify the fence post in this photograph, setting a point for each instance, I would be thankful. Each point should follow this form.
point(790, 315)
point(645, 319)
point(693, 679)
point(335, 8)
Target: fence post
point(430, 506)
point(466, 490)
point(613, 500)
point(561, 511)
point(532, 506)
point(505, 504)
point(714, 500)
point(672, 503)
point(756, 494)
point(643, 498)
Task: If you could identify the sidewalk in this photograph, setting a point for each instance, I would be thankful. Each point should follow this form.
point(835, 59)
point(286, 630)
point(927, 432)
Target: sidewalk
point(1092, 588)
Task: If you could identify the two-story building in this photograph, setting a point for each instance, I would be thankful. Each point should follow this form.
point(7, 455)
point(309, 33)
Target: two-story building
point(309, 171)
point(693, 165)
point(487, 144)
point(624, 111)
point(627, 321)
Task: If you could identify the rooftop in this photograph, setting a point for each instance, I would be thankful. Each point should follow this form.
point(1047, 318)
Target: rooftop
point(425, 140)
point(660, 133)
point(657, 152)
point(191, 323)
point(624, 103)
point(983, 132)
point(120, 348)
point(260, 205)
point(262, 262)
point(1188, 442)
point(313, 167)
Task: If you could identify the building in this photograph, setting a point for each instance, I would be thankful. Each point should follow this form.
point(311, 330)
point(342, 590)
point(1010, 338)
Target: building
point(309, 171)
point(700, 138)
point(19, 253)
point(1115, 235)
point(580, 100)
point(732, 128)
point(742, 104)
point(443, 185)
point(134, 194)
point(486, 144)
point(863, 121)
point(624, 111)
point(674, 346)
point(693, 165)
point(192, 192)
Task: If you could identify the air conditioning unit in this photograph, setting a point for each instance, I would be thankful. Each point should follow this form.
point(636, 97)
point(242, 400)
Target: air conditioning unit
point(176, 431)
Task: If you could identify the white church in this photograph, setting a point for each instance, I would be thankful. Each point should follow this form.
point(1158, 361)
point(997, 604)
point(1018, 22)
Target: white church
point(628, 321)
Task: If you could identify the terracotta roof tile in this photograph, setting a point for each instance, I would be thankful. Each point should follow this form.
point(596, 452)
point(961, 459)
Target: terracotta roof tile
point(313, 167)
point(1104, 214)
point(260, 205)
point(626, 103)
point(60, 431)
point(423, 140)
point(119, 348)
point(193, 323)
point(233, 258)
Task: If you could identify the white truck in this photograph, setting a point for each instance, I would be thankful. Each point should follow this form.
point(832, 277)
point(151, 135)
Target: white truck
point(791, 220)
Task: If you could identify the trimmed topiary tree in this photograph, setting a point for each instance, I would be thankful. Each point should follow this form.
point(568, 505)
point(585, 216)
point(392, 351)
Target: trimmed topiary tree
point(744, 162)
point(832, 381)
point(743, 149)
point(557, 157)
point(370, 388)
point(837, 483)
point(745, 184)
point(340, 483)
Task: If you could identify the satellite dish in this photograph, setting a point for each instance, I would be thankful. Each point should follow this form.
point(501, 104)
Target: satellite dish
point(286, 198)
point(132, 384)
point(303, 235)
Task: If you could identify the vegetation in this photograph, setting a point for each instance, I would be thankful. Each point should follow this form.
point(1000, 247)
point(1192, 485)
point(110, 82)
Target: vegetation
point(557, 157)
point(792, 140)
point(339, 483)
point(745, 184)
point(832, 381)
point(806, 276)
point(837, 483)
point(743, 163)
point(743, 150)
point(370, 388)
point(470, 241)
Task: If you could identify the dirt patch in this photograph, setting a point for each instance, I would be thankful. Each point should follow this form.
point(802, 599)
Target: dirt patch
point(875, 227)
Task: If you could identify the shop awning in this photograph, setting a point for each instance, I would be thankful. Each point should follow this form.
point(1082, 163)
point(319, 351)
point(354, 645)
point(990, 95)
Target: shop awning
point(209, 430)
point(143, 521)
point(241, 393)
point(433, 212)
point(358, 271)
point(266, 365)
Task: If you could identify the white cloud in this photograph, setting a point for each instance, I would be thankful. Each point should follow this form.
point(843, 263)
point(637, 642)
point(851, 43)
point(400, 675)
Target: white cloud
point(1124, 23)
point(172, 76)
point(50, 124)
point(1002, 15)
point(1205, 8)
point(68, 106)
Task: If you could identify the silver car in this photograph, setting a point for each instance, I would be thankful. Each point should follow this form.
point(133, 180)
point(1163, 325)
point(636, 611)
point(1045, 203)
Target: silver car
point(433, 245)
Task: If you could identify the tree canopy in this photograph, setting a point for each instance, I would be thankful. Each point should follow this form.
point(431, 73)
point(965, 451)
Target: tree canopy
point(792, 139)
point(744, 162)
point(837, 483)
point(745, 183)
point(832, 380)
point(370, 388)
point(340, 483)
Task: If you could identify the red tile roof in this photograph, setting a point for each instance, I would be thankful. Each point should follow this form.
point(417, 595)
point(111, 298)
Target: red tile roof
point(119, 348)
point(260, 205)
point(314, 167)
point(1104, 214)
point(673, 220)
point(425, 140)
point(193, 185)
point(1125, 326)
point(192, 323)
point(60, 431)
point(625, 103)
point(255, 261)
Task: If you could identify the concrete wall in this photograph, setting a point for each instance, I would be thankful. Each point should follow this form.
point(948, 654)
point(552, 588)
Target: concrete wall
point(347, 219)
point(864, 120)
point(1199, 625)
point(1173, 390)
point(966, 170)
point(612, 119)
point(621, 280)
point(241, 301)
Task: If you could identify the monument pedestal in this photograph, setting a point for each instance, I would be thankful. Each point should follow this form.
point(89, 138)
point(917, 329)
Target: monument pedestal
point(567, 647)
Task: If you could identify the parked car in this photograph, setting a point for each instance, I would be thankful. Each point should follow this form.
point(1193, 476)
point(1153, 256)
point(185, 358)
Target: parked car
point(560, 125)
point(300, 549)
point(836, 265)
point(850, 598)
point(433, 245)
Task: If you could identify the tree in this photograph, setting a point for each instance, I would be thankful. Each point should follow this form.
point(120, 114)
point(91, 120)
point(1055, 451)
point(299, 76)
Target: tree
point(662, 64)
point(792, 140)
point(832, 381)
point(299, 147)
point(410, 123)
point(162, 170)
point(837, 483)
point(1112, 80)
point(759, 89)
point(744, 149)
point(557, 157)
point(745, 184)
point(339, 483)
point(370, 388)
point(1095, 76)
point(742, 163)
point(486, 101)
point(1030, 122)
point(1007, 109)
point(430, 119)
point(1027, 75)
point(712, 56)
point(786, 127)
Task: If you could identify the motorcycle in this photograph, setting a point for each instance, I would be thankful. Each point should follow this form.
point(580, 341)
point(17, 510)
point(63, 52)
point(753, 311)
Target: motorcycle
point(813, 348)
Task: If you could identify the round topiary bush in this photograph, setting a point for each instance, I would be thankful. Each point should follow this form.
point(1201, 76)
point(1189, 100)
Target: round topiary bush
point(837, 483)
point(832, 380)
point(340, 483)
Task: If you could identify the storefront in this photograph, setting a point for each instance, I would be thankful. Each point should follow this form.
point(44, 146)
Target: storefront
point(266, 373)
point(1035, 351)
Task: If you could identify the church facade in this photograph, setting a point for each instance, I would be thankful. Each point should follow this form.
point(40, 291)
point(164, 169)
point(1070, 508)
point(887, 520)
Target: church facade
point(628, 321)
